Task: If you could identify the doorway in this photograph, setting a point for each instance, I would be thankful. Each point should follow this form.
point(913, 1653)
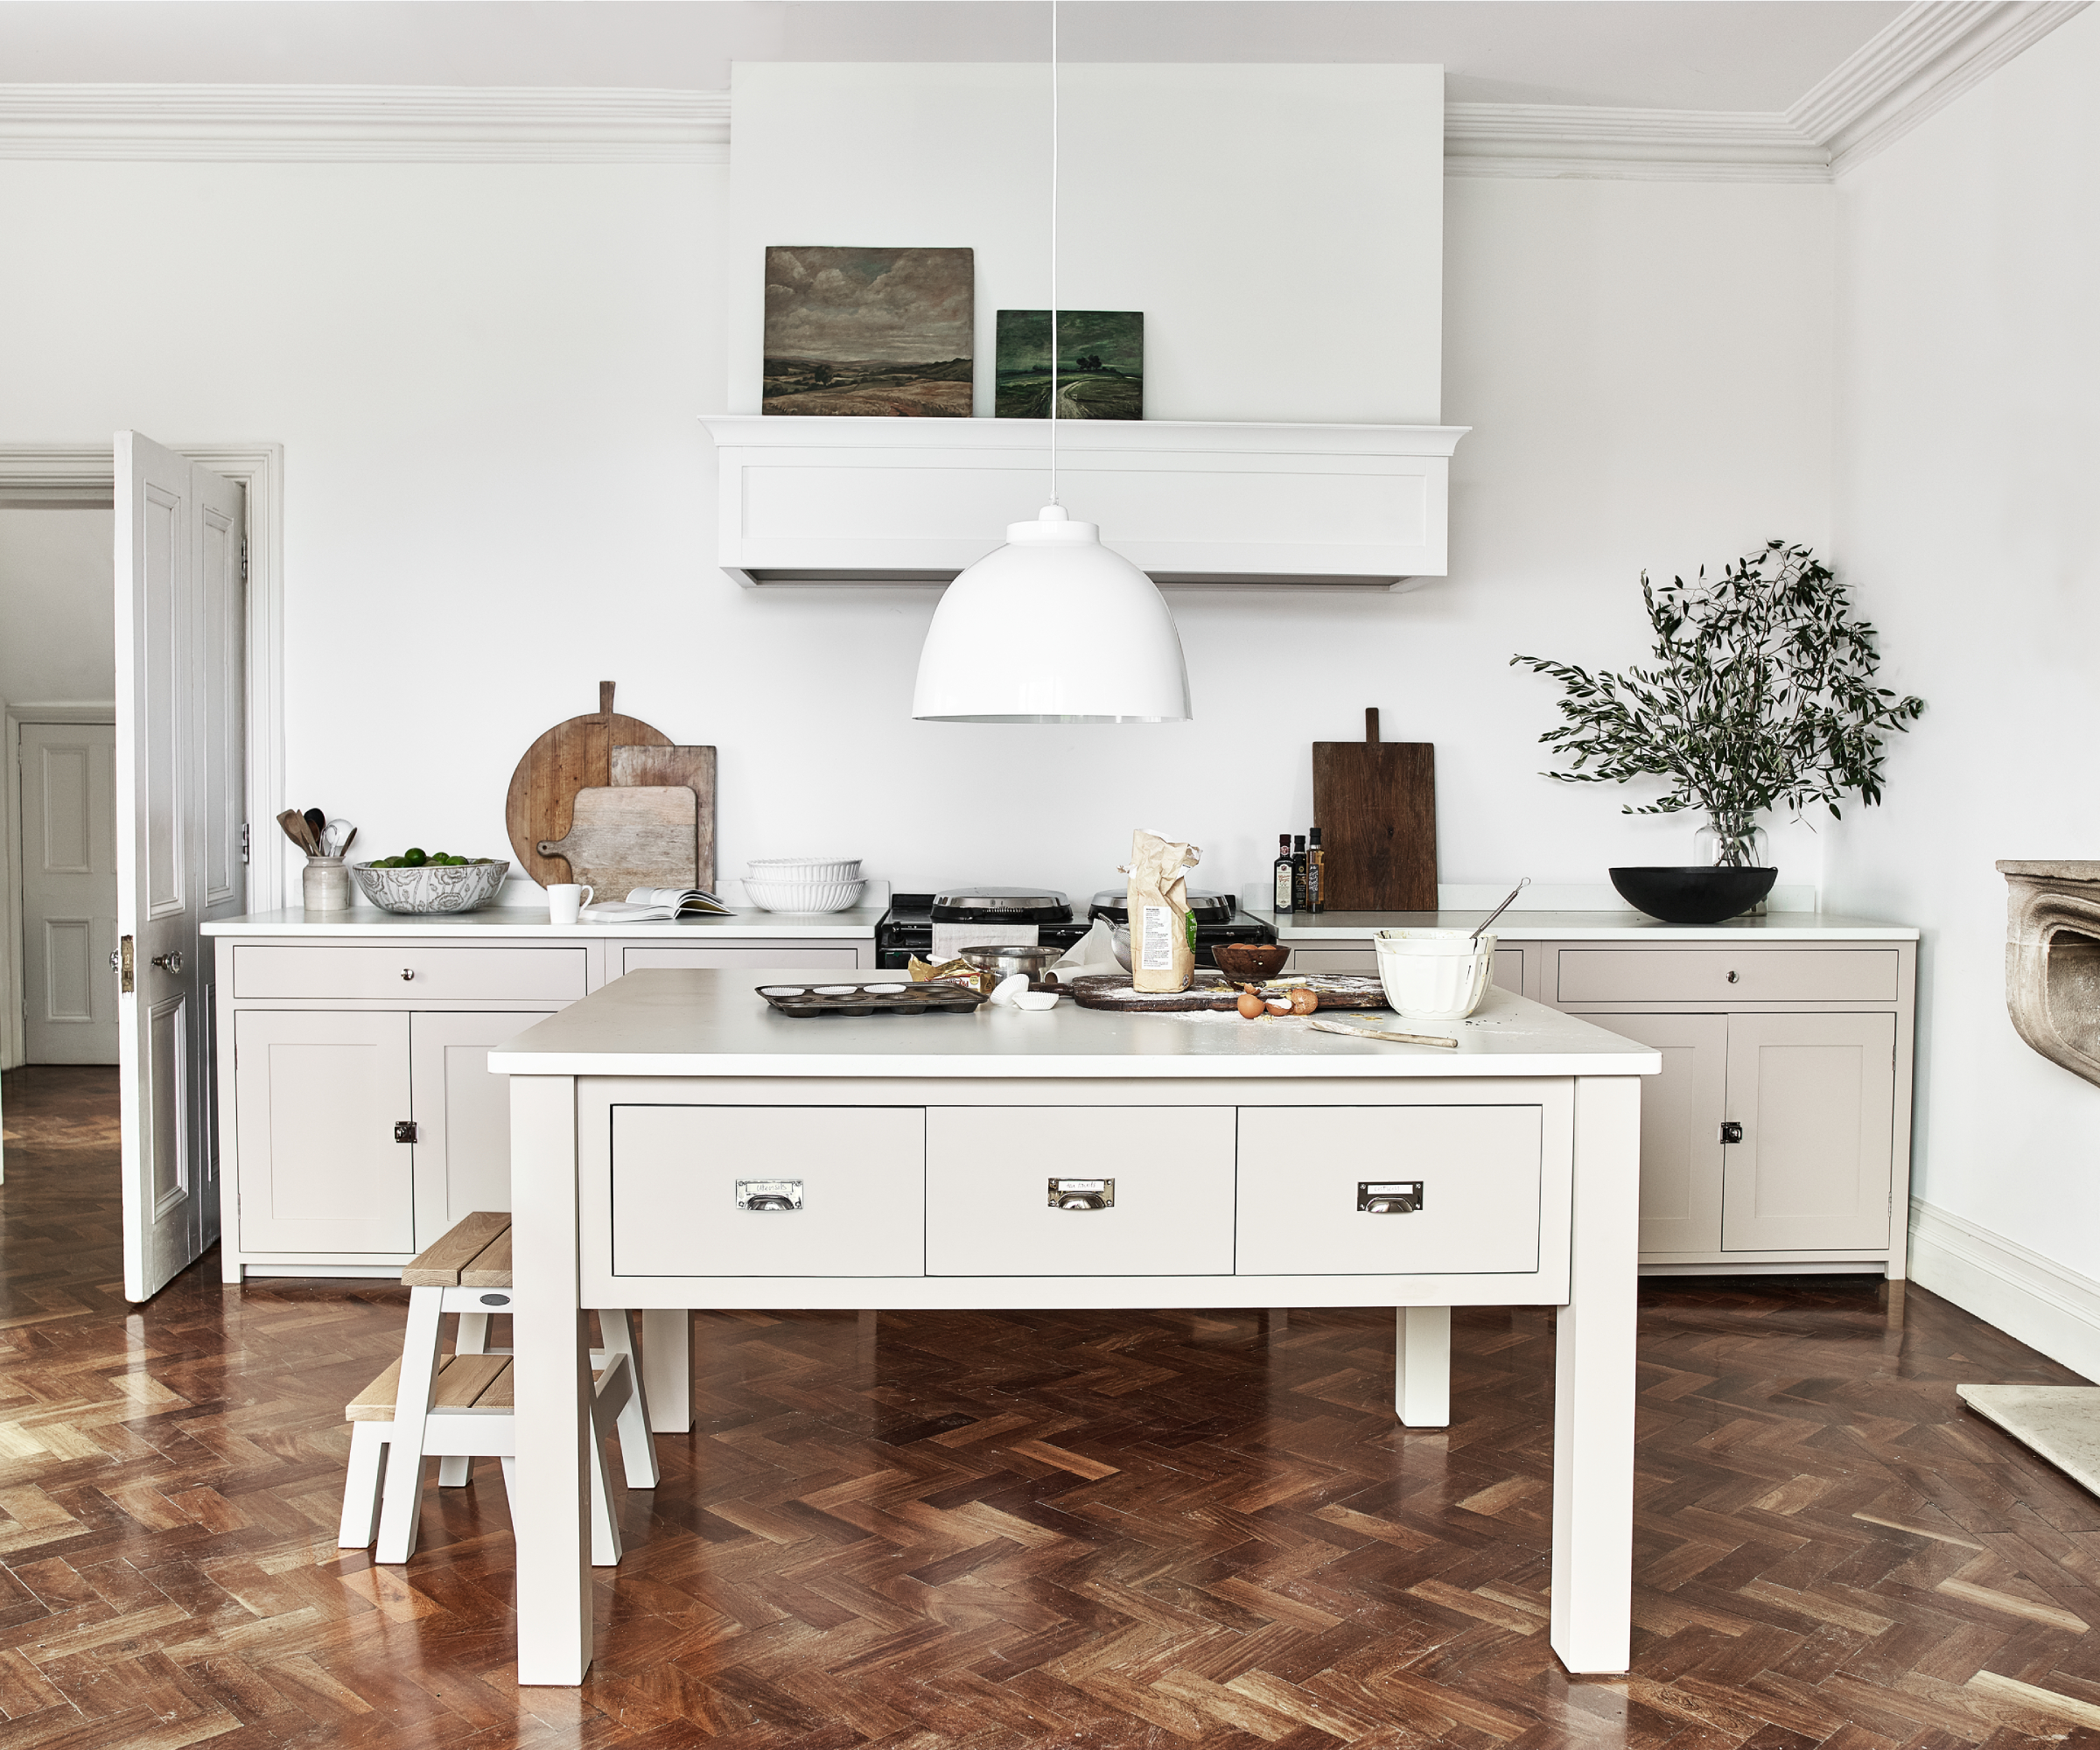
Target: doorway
point(58, 671)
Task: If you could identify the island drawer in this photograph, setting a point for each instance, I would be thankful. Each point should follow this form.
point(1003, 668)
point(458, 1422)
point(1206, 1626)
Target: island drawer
point(795, 953)
point(1815, 975)
point(1304, 1173)
point(770, 1191)
point(990, 1209)
point(407, 972)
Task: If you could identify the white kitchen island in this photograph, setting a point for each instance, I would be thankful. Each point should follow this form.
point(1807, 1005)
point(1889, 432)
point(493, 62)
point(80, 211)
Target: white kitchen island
point(676, 1143)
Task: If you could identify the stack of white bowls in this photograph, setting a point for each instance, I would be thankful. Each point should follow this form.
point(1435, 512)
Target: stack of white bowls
point(803, 884)
point(1434, 974)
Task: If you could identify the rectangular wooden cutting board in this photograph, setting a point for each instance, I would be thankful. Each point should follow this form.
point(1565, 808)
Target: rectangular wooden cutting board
point(693, 768)
point(1376, 805)
point(633, 836)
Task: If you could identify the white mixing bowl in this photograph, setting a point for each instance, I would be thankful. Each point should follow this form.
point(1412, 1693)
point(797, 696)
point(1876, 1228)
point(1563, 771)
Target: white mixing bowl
point(1432, 974)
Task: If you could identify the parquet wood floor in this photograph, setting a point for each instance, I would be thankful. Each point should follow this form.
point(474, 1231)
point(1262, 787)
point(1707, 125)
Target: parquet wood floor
point(1106, 1530)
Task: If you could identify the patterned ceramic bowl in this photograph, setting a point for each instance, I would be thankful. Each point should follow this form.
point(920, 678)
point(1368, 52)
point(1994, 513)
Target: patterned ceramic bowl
point(453, 887)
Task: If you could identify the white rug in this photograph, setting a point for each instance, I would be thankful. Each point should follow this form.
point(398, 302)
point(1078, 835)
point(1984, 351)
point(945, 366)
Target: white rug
point(2060, 1422)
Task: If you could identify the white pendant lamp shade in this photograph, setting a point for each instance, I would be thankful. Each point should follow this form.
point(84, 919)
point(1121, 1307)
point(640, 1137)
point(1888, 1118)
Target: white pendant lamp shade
point(1052, 627)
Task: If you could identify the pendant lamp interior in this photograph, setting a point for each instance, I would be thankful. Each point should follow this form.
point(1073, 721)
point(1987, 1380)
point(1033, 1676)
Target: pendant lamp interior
point(1053, 626)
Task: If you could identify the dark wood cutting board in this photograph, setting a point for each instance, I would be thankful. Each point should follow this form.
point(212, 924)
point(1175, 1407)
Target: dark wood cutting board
point(1376, 805)
point(572, 756)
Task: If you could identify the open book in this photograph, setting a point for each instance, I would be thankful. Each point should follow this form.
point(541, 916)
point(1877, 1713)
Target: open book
point(655, 905)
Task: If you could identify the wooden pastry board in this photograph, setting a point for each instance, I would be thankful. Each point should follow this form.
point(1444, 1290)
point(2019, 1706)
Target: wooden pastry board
point(1099, 990)
point(621, 839)
point(1376, 805)
point(693, 767)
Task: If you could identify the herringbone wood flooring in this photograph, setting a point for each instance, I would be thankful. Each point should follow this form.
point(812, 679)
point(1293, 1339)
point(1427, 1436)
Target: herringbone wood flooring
point(1098, 1530)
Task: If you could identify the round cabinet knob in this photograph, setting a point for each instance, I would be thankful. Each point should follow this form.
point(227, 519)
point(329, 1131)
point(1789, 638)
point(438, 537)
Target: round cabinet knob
point(409, 972)
point(169, 961)
point(1734, 977)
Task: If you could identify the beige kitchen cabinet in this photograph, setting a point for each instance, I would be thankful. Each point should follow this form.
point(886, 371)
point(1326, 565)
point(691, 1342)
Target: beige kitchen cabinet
point(1681, 1111)
point(461, 1114)
point(317, 1097)
point(334, 1028)
point(1814, 1096)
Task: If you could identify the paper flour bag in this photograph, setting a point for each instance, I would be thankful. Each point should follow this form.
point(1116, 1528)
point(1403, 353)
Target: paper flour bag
point(1162, 934)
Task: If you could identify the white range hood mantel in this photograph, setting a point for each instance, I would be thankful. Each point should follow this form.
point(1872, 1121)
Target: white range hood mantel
point(834, 501)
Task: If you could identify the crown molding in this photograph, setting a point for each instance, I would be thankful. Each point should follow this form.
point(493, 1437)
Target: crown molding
point(1929, 56)
point(1934, 51)
point(364, 124)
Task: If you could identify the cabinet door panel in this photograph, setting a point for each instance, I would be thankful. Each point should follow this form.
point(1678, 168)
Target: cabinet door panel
point(1815, 1097)
point(317, 1097)
point(462, 1152)
point(1681, 1113)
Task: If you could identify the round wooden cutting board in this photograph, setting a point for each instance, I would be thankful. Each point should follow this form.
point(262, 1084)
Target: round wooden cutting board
point(572, 756)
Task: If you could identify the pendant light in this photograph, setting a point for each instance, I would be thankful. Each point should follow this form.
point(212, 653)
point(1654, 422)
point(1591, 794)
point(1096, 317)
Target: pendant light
point(1053, 626)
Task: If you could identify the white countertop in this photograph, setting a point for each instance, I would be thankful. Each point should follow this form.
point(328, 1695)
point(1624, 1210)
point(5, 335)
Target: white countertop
point(858, 924)
point(1308, 929)
point(676, 1023)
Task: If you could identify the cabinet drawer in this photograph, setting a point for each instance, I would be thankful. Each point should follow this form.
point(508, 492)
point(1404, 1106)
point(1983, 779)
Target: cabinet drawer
point(1509, 963)
point(1301, 1167)
point(483, 974)
point(1814, 975)
point(858, 1172)
point(732, 959)
point(988, 1208)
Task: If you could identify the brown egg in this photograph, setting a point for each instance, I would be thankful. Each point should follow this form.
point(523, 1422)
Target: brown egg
point(1304, 1002)
point(1251, 1005)
point(1279, 1006)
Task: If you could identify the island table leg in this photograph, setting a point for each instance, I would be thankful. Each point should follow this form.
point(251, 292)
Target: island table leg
point(667, 1368)
point(1422, 1366)
point(1592, 1621)
point(551, 1506)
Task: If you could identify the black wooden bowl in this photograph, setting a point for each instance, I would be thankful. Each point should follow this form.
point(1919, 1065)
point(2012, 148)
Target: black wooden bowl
point(1694, 893)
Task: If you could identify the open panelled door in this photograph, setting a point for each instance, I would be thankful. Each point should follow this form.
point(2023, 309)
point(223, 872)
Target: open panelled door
point(181, 536)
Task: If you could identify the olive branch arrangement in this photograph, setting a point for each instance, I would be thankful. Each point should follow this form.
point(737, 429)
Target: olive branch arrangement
point(1762, 695)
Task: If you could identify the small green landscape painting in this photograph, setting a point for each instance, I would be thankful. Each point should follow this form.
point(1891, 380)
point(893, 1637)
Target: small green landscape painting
point(871, 331)
point(1100, 364)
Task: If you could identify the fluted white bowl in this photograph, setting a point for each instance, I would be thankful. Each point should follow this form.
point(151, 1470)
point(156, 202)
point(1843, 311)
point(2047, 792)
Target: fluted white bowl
point(804, 869)
point(804, 896)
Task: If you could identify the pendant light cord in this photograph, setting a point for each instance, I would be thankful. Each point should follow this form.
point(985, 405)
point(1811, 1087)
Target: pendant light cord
point(1053, 386)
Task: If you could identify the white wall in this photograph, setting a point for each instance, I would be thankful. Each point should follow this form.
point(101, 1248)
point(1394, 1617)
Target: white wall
point(1968, 516)
point(485, 379)
point(58, 605)
point(1289, 270)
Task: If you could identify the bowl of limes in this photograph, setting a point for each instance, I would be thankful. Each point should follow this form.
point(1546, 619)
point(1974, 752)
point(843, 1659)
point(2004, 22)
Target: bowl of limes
point(420, 880)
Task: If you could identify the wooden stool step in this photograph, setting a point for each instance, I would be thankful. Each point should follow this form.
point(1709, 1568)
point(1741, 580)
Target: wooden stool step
point(471, 1245)
point(465, 1384)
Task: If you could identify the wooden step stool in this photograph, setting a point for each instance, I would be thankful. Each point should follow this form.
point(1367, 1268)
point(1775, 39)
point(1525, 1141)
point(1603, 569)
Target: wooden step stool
point(457, 1407)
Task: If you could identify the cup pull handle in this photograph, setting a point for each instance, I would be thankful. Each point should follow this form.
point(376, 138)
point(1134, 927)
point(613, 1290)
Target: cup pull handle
point(1389, 1197)
point(1081, 1194)
point(769, 1196)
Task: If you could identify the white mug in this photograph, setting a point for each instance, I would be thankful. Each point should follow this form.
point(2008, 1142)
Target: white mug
point(565, 900)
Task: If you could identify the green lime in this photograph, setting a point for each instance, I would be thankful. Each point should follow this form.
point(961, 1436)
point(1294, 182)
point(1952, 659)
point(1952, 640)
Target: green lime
point(414, 857)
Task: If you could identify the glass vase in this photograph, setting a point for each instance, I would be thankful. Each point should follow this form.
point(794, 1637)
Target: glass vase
point(1739, 845)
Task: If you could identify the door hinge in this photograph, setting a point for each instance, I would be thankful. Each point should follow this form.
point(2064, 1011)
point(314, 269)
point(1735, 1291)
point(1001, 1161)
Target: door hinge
point(244, 841)
point(405, 1131)
point(244, 562)
point(120, 963)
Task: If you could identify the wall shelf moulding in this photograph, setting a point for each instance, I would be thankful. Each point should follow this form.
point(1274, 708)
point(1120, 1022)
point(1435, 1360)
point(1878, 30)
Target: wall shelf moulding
point(836, 501)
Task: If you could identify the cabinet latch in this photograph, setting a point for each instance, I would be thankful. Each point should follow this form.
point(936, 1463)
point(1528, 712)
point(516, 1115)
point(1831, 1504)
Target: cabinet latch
point(405, 1131)
point(1732, 1131)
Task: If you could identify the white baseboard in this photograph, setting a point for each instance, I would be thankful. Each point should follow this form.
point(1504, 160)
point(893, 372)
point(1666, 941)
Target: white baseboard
point(2046, 1306)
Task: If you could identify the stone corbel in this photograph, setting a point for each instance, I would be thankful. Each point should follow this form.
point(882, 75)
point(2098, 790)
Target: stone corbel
point(2053, 960)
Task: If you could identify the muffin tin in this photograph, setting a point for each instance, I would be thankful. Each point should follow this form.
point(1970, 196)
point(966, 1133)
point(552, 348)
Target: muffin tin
point(877, 997)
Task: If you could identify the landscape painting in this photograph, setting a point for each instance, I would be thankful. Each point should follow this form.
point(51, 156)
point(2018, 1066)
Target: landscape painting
point(871, 331)
point(1100, 364)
